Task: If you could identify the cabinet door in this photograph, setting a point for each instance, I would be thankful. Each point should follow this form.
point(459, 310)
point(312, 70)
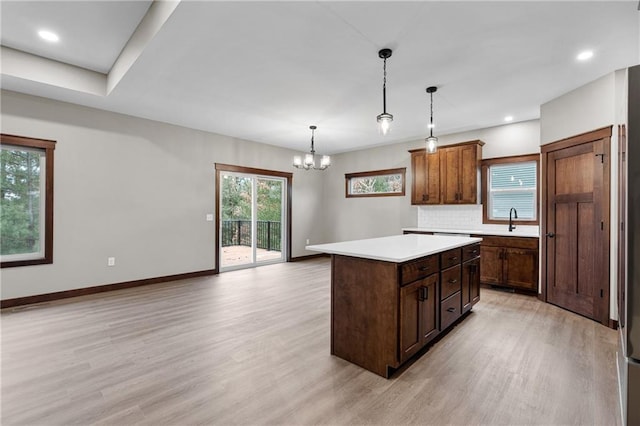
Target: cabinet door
point(430, 307)
point(470, 284)
point(468, 174)
point(491, 264)
point(450, 175)
point(425, 186)
point(419, 178)
point(410, 305)
point(521, 268)
point(419, 304)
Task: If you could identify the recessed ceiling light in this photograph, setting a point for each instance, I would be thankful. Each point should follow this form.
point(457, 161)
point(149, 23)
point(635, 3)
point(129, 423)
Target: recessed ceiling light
point(508, 118)
point(583, 56)
point(48, 35)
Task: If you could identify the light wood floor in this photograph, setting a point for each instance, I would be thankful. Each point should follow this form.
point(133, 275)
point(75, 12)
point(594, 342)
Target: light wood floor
point(252, 347)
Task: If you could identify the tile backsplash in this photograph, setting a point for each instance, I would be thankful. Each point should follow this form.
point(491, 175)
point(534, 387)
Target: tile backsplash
point(462, 217)
point(468, 216)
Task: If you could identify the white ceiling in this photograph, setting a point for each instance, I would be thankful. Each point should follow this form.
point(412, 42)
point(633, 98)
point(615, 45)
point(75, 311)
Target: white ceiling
point(266, 70)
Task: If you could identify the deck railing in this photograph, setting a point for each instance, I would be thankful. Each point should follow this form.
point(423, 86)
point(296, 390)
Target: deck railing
point(238, 233)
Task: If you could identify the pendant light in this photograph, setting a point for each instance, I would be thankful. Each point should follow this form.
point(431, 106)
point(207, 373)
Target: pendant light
point(432, 141)
point(384, 119)
point(310, 159)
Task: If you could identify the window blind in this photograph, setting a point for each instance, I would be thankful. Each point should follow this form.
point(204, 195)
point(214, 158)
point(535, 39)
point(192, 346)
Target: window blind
point(513, 185)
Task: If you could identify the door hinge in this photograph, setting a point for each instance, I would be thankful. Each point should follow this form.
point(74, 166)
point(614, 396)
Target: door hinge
point(601, 157)
point(601, 225)
point(601, 293)
point(622, 226)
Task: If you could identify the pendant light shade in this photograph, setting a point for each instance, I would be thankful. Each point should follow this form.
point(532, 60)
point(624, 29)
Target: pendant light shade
point(431, 141)
point(384, 119)
point(309, 161)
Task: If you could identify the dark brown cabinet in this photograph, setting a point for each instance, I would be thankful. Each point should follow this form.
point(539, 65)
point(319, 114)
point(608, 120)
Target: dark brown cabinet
point(418, 315)
point(470, 276)
point(448, 176)
point(510, 262)
point(425, 185)
point(383, 313)
point(459, 173)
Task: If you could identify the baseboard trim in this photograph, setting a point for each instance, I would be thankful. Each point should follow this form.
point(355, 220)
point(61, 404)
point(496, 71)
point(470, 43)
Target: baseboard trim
point(48, 297)
point(613, 324)
point(309, 257)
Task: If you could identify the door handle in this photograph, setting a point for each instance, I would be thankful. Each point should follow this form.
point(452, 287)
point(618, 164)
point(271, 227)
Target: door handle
point(453, 281)
point(551, 234)
point(423, 268)
point(451, 309)
point(423, 294)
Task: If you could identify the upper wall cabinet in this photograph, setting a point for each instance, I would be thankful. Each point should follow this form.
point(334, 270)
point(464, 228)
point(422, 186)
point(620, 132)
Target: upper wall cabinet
point(425, 186)
point(449, 176)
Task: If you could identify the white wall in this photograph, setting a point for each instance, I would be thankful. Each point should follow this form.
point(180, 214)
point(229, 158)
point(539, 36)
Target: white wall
point(584, 109)
point(597, 104)
point(137, 190)
point(356, 218)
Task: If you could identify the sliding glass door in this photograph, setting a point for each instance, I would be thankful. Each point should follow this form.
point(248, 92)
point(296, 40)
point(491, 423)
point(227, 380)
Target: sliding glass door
point(252, 220)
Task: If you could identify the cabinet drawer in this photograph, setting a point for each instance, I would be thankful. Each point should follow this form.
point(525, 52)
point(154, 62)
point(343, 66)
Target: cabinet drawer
point(450, 310)
point(419, 269)
point(450, 258)
point(450, 281)
point(470, 252)
point(515, 242)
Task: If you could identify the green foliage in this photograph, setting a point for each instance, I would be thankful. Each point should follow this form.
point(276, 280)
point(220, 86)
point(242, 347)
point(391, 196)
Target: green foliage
point(376, 184)
point(236, 196)
point(19, 201)
point(269, 200)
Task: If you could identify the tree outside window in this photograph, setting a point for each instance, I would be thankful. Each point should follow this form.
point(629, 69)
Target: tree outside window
point(26, 201)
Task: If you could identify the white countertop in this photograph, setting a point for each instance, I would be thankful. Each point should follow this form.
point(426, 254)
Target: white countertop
point(397, 248)
point(520, 231)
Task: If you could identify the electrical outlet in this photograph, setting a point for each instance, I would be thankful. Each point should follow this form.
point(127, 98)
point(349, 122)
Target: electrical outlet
point(307, 241)
point(111, 261)
point(209, 217)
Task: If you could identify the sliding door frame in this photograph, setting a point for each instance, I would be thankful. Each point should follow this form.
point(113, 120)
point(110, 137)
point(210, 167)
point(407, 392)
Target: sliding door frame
point(262, 172)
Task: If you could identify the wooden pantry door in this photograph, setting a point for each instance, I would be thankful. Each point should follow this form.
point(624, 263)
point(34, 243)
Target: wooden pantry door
point(575, 243)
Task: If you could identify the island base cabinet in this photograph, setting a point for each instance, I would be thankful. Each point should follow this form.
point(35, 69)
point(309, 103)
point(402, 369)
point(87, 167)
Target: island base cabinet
point(364, 312)
point(470, 284)
point(418, 315)
point(383, 313)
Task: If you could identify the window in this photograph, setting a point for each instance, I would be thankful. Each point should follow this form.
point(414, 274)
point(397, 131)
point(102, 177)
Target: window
point(510, 182)
point(26, 201)
point(378, 183)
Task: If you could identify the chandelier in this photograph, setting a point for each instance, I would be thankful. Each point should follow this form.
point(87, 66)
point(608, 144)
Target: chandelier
point(310, 159)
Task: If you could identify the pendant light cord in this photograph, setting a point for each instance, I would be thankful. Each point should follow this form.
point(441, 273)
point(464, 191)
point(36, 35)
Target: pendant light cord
point(431, 126)
point(384, 87)
point(313, 151)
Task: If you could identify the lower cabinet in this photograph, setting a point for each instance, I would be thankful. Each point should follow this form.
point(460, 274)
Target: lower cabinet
point(383, 313)
point(510, 262)
point(419, 304)
point(470, 283)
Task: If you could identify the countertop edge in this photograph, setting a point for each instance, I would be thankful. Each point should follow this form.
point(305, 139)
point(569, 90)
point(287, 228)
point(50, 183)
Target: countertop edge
point(473, 232)
point(469, 240)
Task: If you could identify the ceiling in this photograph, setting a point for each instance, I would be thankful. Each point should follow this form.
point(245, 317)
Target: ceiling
point(266, 70)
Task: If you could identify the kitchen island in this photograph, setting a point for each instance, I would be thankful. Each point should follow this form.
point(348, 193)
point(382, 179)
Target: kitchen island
point(392, 296)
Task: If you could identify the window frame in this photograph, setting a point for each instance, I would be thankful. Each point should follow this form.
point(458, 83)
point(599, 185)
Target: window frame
point(48, 146)
point(486, 165)
point(401, 171)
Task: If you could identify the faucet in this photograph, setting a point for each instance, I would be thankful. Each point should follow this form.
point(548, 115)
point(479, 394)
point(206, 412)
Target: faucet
point(515, 216)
